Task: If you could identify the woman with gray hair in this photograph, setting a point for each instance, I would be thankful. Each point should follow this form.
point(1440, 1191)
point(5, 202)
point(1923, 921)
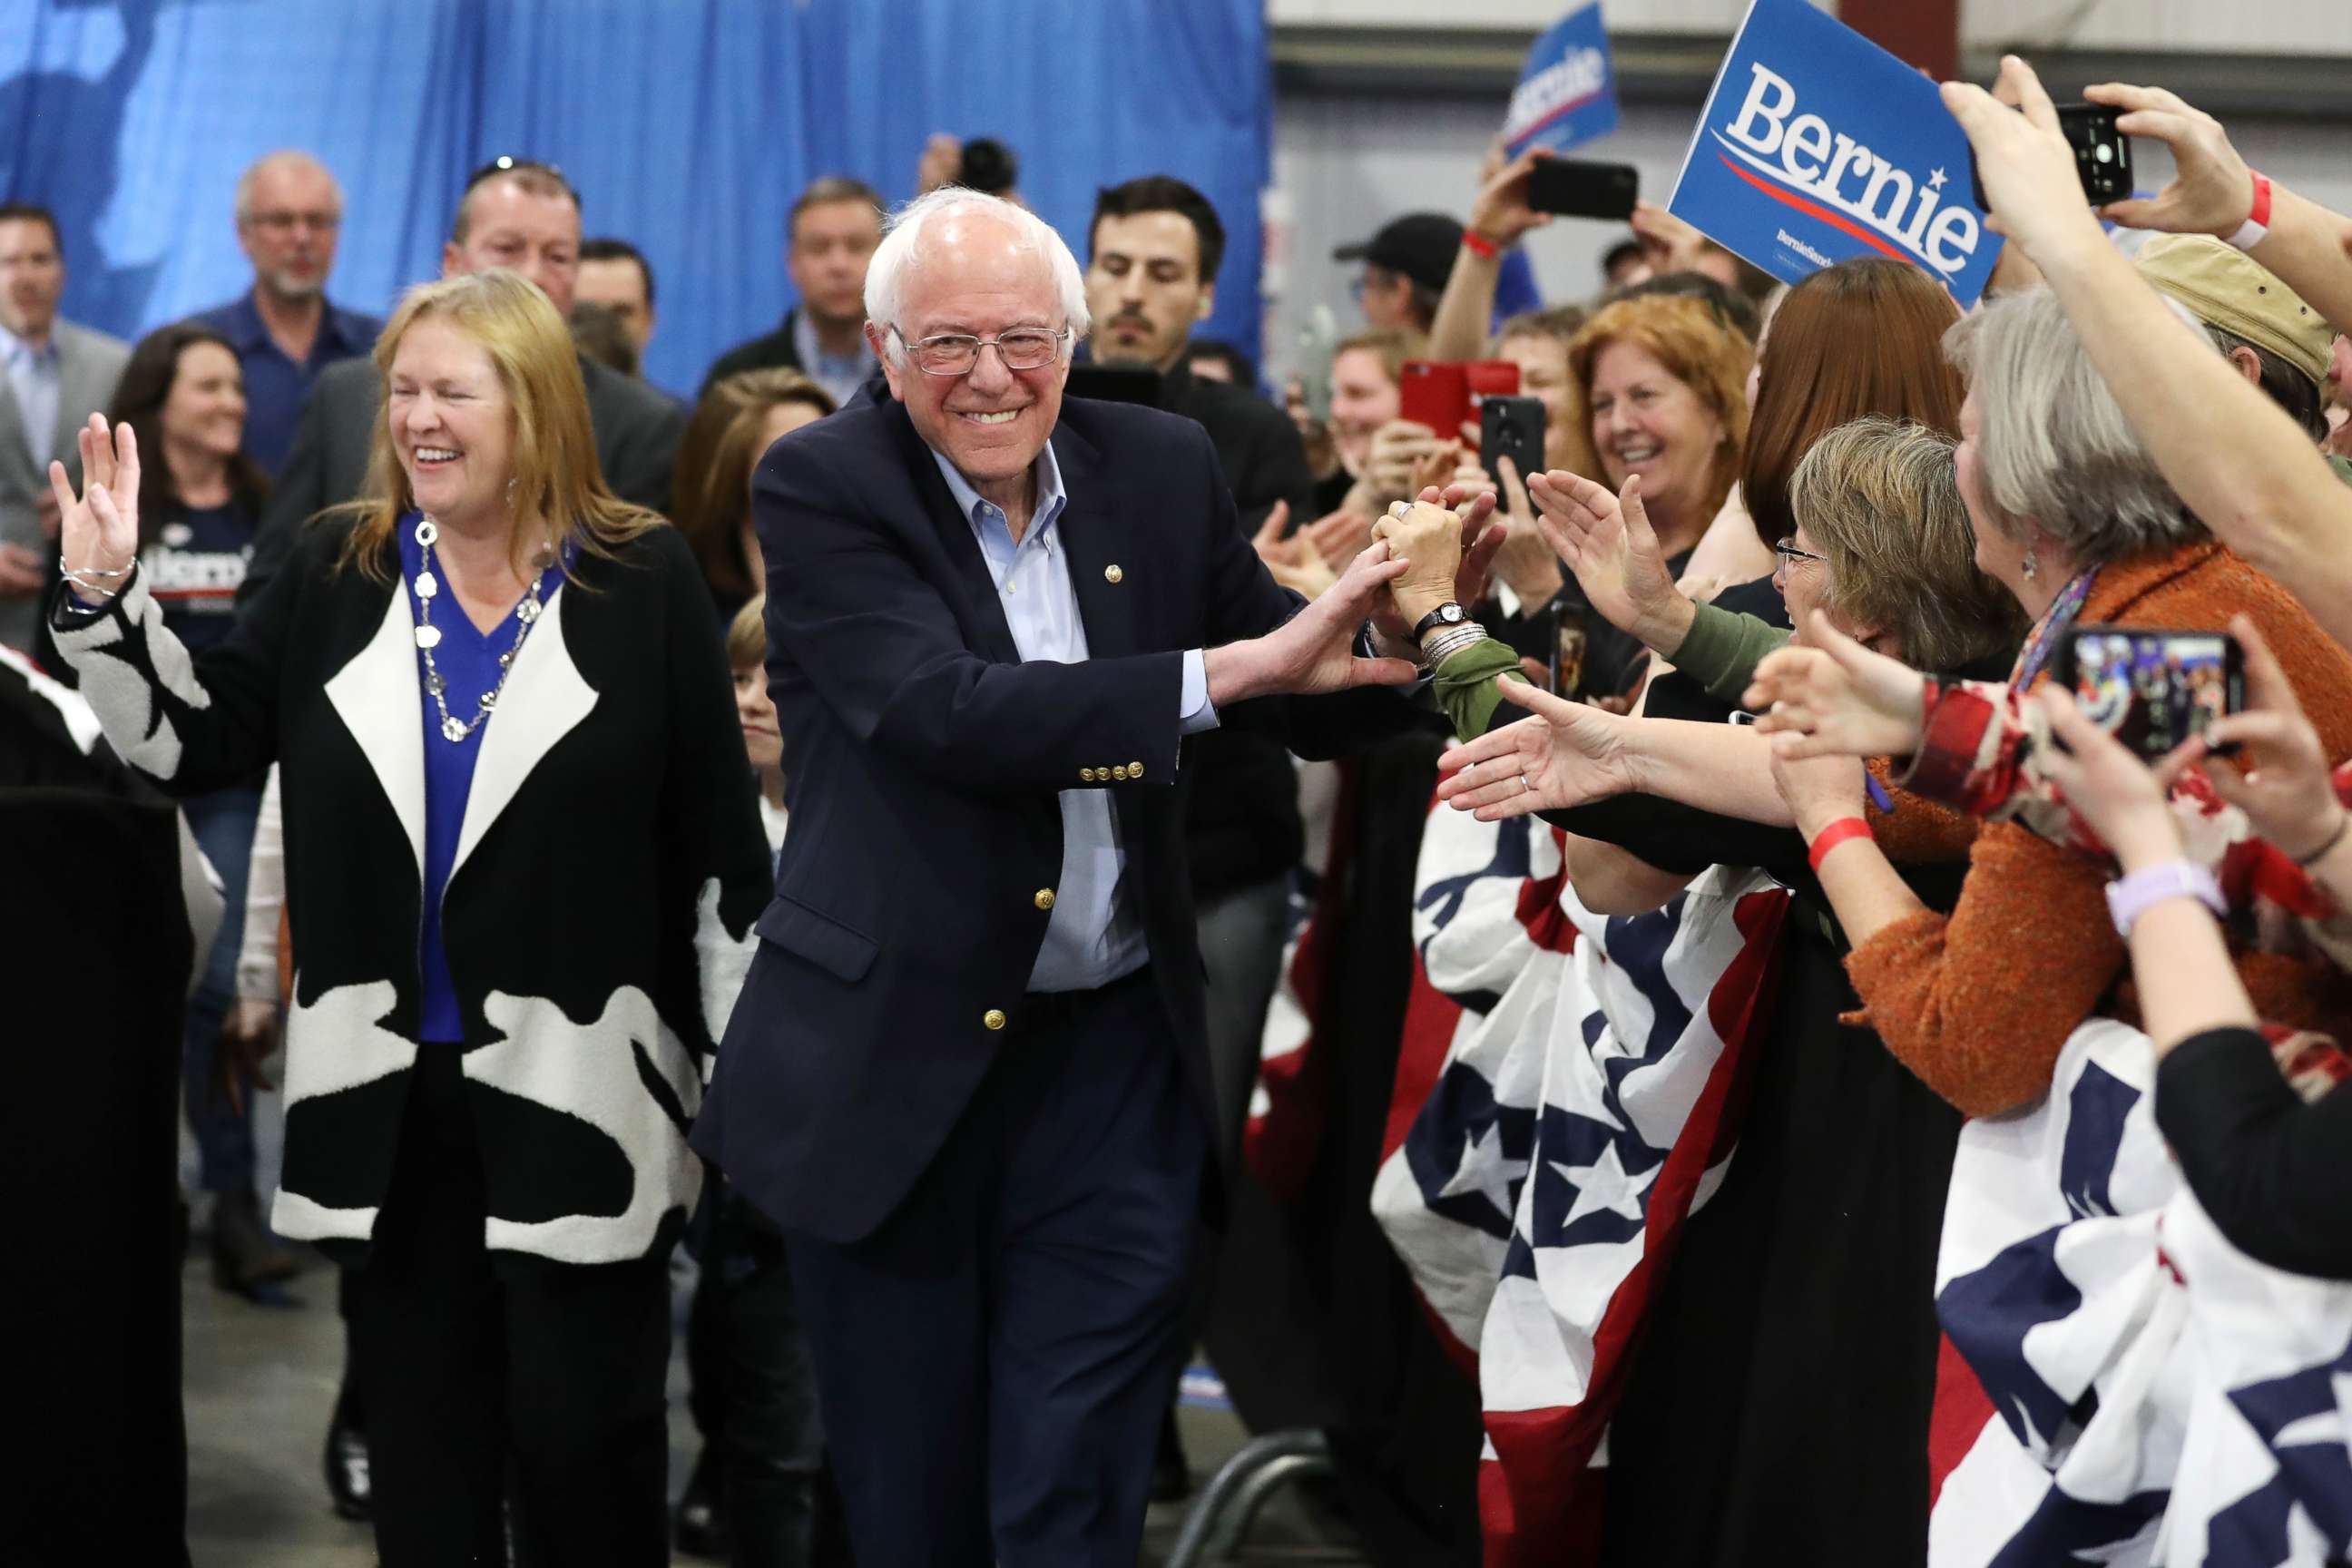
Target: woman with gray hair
point(2074, 517)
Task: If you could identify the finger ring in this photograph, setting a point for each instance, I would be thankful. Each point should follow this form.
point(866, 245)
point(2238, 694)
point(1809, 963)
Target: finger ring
point(1523, 785)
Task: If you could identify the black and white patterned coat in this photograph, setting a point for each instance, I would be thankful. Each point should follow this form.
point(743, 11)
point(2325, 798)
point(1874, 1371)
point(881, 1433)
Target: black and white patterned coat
point(597, 918)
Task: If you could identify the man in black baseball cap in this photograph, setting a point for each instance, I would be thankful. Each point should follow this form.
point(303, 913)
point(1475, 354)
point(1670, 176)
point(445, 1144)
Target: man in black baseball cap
point(1405, 267)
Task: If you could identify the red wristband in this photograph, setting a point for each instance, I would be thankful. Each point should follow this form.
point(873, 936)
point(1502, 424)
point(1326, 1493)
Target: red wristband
point(1478, 245)
point(1835, 833)
point(2257, 227)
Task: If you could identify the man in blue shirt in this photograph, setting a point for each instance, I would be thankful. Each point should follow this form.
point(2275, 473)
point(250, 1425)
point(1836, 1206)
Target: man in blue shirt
point(288, 211)
point(967, 1076)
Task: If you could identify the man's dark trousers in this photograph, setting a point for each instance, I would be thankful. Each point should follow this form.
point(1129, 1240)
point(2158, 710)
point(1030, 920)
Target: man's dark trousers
point(1057, 1222)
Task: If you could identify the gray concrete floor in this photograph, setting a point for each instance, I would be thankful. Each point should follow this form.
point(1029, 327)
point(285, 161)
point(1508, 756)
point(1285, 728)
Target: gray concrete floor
point(260, 1382)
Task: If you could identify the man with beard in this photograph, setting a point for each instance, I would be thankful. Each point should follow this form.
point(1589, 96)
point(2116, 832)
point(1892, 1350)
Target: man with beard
point(284, 329)
point(1155, 246)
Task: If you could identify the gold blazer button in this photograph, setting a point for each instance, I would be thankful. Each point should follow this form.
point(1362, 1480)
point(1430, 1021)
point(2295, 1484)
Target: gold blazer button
point(993, 1017)
point(1111, 574)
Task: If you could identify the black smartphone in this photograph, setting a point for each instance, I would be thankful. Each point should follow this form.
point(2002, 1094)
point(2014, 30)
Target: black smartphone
point(1575, 188)
point(2101, 153)
point(2152, 690)
point(1115, 382)
point(1511, 427)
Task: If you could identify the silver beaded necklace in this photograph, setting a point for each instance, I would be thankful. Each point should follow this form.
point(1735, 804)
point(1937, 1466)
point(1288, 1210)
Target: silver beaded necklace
point(428, 587)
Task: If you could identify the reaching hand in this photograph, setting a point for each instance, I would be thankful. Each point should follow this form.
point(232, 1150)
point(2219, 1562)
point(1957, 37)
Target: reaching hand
point(1399, 448)
point(2286, 791)
point(1819, 790)
point(1567, 755)
point(1427, 538)
point(1315, 435)
point(2028, 169)
point(1836, 698)
point(98, 531)
point(1524, 558)
point(1294, 561)
point(1338, 537)
point(1607, 542)
point(1499, 213)
point(2110, 789)
point(1313, 651)
point(1668, 244)
point(2212, 191)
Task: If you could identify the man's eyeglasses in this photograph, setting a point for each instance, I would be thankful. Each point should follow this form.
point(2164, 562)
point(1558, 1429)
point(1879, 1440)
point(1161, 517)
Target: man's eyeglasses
point(504, 164)
point(287, 223)
point(956, 353)
point(1786, 548)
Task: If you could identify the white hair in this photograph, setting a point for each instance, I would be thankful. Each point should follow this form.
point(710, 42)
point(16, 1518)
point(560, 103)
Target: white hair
point(2052, 445)
point(284, 157)
point(904, 248)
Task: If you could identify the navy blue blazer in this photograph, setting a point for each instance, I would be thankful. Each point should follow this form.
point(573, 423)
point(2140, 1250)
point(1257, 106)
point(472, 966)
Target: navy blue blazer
point(924, 760)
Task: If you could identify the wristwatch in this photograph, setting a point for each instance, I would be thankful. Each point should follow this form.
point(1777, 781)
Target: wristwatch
point(1448, 613)
point(2128, 898)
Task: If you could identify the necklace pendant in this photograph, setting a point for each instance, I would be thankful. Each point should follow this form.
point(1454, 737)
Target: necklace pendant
point(428, 636)
point(453, 729)
point(490, 700)
point(427, 585)
point(527, 611)
point(428, 532)
point(434, 683)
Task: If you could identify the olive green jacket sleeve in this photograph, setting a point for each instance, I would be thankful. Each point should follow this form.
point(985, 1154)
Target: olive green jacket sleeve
point(1464, 685)
point(1723, 648)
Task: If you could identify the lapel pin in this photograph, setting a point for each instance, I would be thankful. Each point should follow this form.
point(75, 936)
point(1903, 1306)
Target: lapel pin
point(1111, 574)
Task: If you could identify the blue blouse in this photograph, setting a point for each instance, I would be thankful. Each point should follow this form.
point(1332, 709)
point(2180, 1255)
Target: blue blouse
point(467, 660)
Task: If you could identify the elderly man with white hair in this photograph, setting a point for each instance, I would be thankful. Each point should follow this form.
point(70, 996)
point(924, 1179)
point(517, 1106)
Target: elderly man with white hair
point(290, 213)
point(967, 1075)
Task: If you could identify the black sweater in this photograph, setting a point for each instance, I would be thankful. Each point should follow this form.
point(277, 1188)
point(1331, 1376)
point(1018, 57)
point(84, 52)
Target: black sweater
point(2271, 1172)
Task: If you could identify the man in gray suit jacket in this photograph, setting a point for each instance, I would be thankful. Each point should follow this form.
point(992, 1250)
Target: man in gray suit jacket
point(513, 213)
point(57, 375)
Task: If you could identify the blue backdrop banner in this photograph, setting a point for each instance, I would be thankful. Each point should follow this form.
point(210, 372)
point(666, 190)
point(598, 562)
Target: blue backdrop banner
point(688, 125)
point(1817, 146)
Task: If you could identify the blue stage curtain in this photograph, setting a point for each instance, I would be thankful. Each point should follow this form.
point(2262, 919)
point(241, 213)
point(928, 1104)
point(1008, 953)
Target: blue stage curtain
point(688, 126)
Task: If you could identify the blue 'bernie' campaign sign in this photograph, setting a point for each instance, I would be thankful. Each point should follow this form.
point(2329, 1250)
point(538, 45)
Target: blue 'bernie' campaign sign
point(1817, 146)
point(1567, 94)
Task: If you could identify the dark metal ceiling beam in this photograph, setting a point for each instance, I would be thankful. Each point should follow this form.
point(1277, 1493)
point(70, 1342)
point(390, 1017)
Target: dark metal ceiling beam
point(1678, 67)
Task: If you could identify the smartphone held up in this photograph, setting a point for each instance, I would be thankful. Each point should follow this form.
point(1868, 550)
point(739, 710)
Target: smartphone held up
point(2152, 690)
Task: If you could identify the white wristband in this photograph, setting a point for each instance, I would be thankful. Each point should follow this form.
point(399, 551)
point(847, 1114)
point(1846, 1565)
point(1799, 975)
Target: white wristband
point(2128, 898)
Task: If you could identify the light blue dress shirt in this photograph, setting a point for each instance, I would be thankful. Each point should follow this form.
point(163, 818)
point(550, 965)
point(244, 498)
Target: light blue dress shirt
point(1095, 934)
point(840, 375)
point(33, 379)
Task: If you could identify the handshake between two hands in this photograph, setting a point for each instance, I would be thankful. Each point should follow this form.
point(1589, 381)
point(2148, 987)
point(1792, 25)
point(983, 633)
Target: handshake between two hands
point(1426, 552)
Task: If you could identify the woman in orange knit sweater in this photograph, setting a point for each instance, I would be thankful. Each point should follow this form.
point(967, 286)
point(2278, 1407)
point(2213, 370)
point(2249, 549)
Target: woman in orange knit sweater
point(2072, 515)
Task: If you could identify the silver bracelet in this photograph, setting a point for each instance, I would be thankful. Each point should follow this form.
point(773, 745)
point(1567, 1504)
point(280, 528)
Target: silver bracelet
point(1451, 641)
point(75, 574)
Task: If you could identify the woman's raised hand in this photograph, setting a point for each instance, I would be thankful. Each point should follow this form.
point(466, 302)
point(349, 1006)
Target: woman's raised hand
point(1569, 753)
point(1608, 543)
point(1836, 698)
point(98, 531)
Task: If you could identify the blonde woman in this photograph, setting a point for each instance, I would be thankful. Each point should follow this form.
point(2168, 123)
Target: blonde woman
point(520, 871)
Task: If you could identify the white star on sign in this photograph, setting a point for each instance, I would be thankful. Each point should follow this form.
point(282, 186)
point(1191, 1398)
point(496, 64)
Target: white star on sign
point(1936, 180)
point(1485, 1169)
point(1603, 1186)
